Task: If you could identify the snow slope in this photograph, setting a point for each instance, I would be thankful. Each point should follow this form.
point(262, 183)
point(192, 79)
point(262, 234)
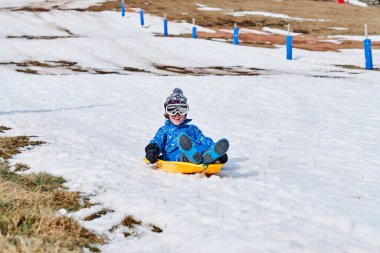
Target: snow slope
point(304, 156)
point(357, 2)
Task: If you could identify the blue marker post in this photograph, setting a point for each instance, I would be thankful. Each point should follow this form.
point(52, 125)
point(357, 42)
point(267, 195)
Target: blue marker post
point(236, 35)
point(142, 17)
point(194, 30)
point(289, 45)
point(122, 8)
point(165, 26)
point(367, 50)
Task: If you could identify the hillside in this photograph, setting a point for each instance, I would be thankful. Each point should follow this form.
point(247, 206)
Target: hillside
point(303, 162)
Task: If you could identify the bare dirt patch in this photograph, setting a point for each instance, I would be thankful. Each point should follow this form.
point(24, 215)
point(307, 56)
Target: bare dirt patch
point(315, 20)
point(302, 42)
point(318, 16)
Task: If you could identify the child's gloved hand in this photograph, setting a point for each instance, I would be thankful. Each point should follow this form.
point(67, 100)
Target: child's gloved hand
point(151, 152)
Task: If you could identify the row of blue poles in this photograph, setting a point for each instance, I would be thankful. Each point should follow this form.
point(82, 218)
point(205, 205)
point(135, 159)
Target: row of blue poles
point(367, 48)
point(289, 38)
point(194, 30)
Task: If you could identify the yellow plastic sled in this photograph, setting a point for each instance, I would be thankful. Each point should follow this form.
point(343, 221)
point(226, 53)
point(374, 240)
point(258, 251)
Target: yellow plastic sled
point(188, 168)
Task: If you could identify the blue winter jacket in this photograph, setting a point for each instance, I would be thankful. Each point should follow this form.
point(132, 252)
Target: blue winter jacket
point(167, 139)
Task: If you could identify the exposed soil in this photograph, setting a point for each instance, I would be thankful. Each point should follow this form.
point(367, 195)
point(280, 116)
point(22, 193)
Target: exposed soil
point(320, 15)
point(321, 19)
point(270, 41)
point(314, 19)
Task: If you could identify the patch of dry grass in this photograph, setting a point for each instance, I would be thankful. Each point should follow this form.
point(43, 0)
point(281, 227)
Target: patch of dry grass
point(213, 70)
point(3, 129)
point(98, 214)
point(133, 225)
point(28, 215)
point(10, 146)
point(28, 208)
point(355, 67)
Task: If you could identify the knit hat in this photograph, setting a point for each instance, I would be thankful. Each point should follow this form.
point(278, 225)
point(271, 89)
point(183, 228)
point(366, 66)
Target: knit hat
point(176, 97)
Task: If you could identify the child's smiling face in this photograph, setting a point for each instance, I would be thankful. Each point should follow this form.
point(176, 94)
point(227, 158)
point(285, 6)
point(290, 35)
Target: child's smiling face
point(177, 119)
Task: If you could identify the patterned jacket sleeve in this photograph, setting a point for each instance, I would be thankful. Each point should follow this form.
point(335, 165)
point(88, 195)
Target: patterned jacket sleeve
point(159, 138)
point(200, 138)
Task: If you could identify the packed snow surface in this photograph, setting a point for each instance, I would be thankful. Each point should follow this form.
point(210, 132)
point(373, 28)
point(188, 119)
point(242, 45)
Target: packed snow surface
point(279, 31)
point(357, 2)
point(203, 7)
point(357, 38)
point(273, 15)
point(303, 170)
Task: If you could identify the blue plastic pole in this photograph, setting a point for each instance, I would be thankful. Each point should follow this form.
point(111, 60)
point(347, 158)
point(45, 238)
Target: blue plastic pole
point(289, 47)
point(368, 54)
point(122, 9)
point(236, 35)
point(142, 17)
point(165, 27)
point(194, 32)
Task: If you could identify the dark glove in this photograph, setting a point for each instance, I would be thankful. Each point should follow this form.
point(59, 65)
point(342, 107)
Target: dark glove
point(223, 158)
point(151, 152)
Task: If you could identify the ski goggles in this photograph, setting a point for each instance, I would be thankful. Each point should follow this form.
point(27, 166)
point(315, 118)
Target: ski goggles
point(173, 109)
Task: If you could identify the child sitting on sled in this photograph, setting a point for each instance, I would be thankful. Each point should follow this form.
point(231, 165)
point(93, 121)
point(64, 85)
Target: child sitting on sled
point(178, 140)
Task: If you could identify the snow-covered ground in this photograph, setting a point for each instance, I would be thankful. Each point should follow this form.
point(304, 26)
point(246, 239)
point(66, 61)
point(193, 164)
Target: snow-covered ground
point(356, 2)
point(203, 7)
point(273, 15)
point(304, 135)
point(357, 38)
point(279, 31)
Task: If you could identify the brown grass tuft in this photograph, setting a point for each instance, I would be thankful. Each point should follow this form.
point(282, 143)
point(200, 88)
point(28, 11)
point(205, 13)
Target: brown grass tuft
point(129, 221)
point(21, 167)
point(29, 221)
point(98, 214)
point(10, 146)
point(355, 67)
point(3, 129)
